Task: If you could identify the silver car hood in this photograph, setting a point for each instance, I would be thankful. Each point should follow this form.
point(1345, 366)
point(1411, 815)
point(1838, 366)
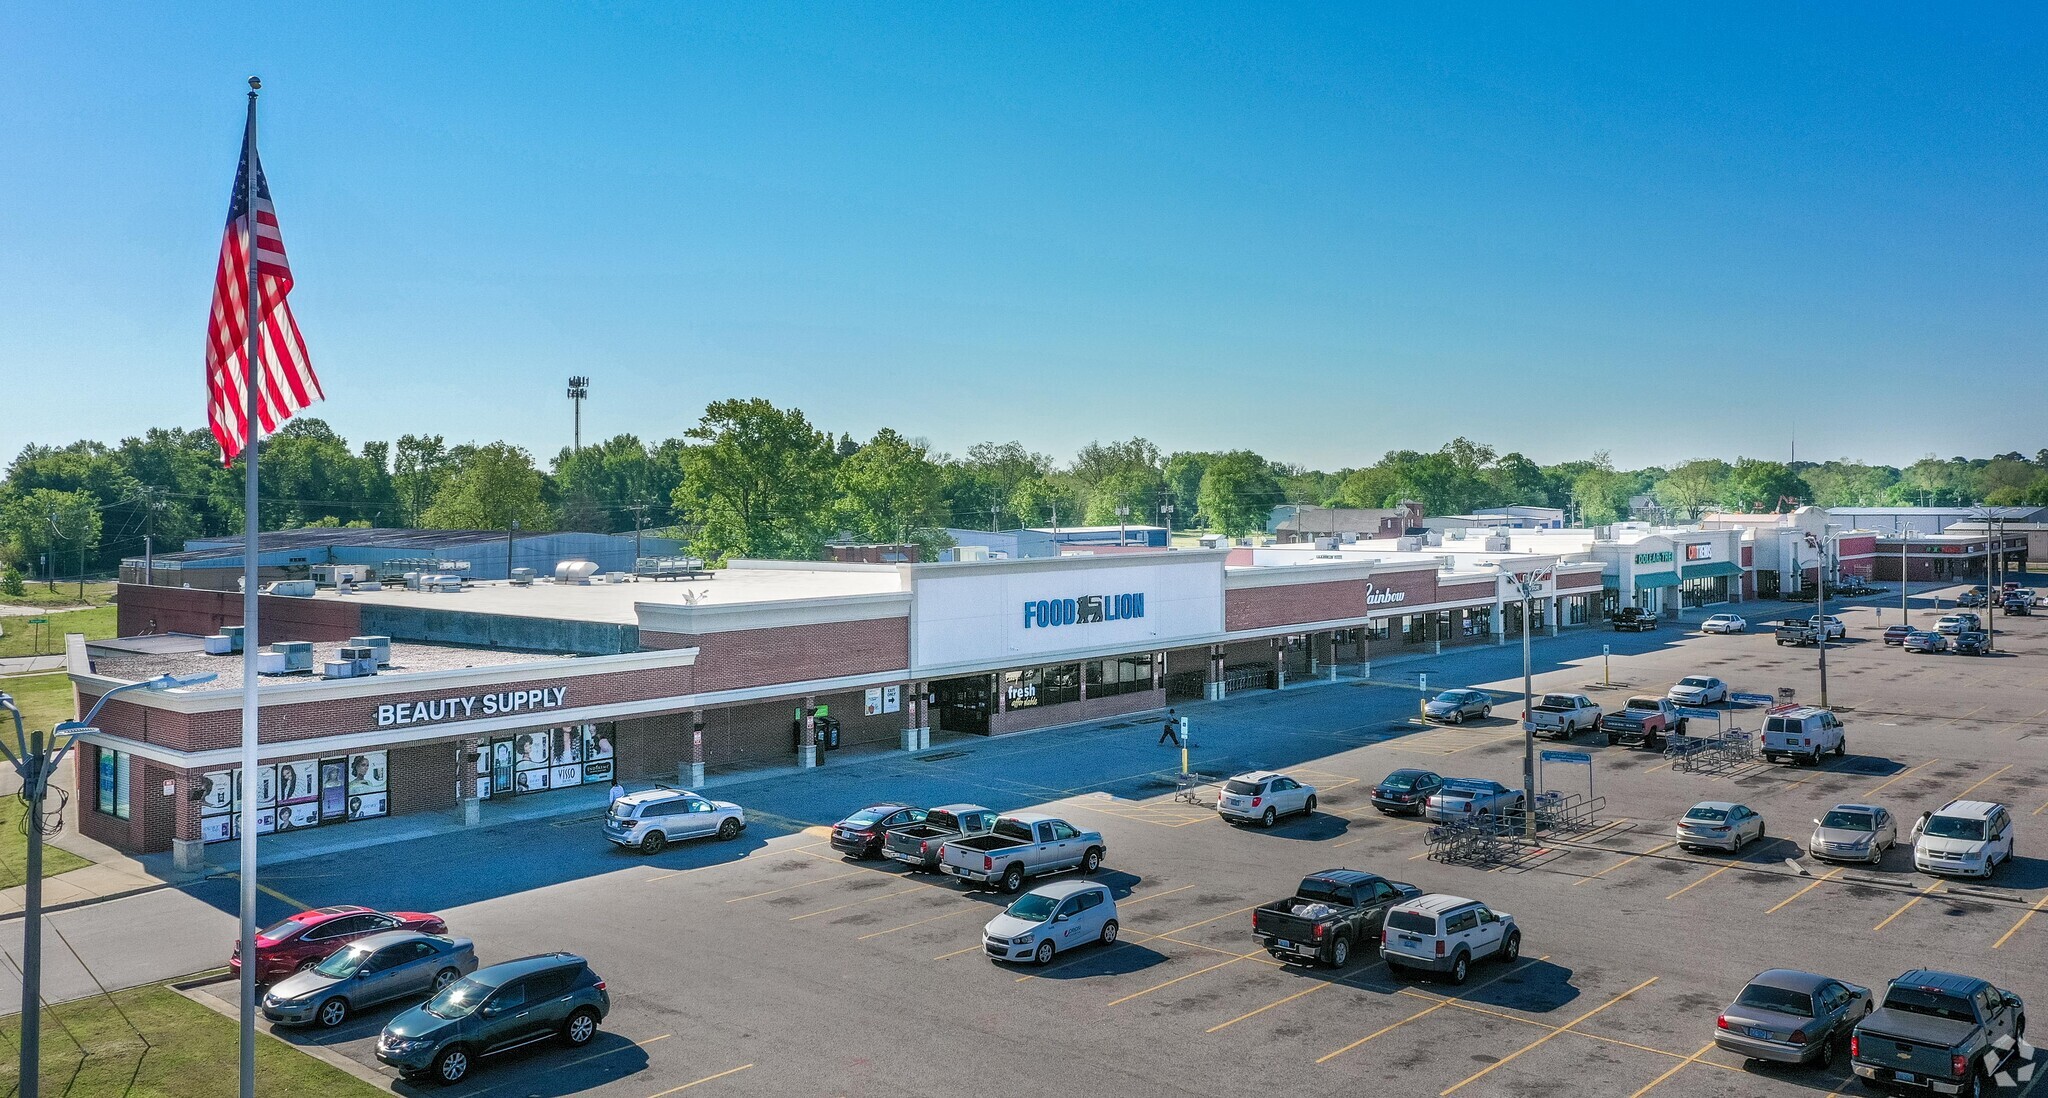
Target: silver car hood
point(306, 985)
point(1842, 836)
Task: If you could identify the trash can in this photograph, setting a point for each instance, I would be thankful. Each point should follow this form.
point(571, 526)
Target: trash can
point(828, 733)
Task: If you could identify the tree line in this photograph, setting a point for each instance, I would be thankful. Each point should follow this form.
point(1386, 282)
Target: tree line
point(752, 479)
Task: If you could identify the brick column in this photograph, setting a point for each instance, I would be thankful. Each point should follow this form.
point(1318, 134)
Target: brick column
point(922, 695)
point(807, 751)
point(188, 853)
point(1278, 646)
point(691, 773)
point(908, 736)
point(469, 806)
point(1213, 686)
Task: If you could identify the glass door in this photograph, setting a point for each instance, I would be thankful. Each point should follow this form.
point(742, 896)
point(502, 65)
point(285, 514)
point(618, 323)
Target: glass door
point(501, 766)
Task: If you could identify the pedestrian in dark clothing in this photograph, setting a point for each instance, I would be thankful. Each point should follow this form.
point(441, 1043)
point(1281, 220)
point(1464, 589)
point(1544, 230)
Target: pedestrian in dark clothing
point(1171, 730)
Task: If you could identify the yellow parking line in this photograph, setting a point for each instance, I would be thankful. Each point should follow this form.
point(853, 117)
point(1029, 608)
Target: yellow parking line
point(1988, 777)
point(1899, 775)
point(273, 893)
point(1204, 922)
point(1186, 976)
point(1576, 1033)
point(1817, 882)
point(958, 952)
point(1510, 1057)
point(1625, 861)
point(1328, 1056)
point(706, 1079)
point(856, 903)
point(920, 922)
point(2028, 914)
point(1924, 893)
point(2043, 808)
point(800, 884)
point(1269, 1006)
point(1694, 1058)
point(1152, 896)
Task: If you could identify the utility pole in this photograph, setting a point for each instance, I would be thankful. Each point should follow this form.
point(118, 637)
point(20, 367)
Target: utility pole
point(1123, 518)
point(579, 388)
point(510, 534)
point(1527, 583)
point(639, 510)
point(1905, 612)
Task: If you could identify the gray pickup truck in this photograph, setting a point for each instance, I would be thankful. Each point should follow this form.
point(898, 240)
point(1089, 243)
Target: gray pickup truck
point(917, 846)
point(1564, 715)
point(1330, 914)
point(1021, 846)
point(1644, 722)
point(1939, 1032)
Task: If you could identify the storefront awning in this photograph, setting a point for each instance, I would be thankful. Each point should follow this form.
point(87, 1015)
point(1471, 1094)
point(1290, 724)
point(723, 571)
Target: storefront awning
point(1647, 580)
point(1710, 570)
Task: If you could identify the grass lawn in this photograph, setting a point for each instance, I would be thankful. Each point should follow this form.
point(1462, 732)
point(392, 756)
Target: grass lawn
point(23, 639)
point(97, 593)
point(160, 1044)
point(14, 847)
point(44, 700)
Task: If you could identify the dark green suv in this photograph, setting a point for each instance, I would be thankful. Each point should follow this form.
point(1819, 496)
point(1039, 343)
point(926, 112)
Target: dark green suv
point(493, 1010)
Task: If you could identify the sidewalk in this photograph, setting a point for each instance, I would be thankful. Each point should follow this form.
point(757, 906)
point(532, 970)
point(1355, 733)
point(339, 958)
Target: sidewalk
point(113, 874)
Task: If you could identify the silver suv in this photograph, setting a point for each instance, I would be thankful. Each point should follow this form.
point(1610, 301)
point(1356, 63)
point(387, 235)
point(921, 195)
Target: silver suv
point(1445, 934)
point(650, 819)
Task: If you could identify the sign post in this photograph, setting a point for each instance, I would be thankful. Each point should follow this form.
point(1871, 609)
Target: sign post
point(1606, 665)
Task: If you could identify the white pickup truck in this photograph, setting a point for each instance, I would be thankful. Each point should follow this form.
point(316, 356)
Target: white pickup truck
point(1020, 846)
point(1564, 715)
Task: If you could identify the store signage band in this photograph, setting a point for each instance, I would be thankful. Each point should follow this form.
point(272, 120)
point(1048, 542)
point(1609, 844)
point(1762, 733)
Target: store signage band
point(1703, 550)
point(1663, 557)
point(1379, 596)
point(1086, 610)
point(475, 705)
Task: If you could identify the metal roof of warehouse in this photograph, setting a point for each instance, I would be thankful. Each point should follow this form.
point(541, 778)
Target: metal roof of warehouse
point(329, 537)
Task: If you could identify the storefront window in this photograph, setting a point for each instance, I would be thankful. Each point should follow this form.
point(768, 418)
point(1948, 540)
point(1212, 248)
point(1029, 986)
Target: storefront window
point(1473, 623)
point(1416, 628)
point(1123, 675)
point(113, 783)
point(1379, 629)
point(1042, 686)
point(1578, 609)
point(299, 794)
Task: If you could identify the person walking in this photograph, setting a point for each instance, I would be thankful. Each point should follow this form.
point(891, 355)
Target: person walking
point(617, 791)
point(1170, 731)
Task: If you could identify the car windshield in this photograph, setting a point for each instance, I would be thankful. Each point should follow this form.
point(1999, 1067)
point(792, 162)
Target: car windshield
point(286, 929)
point(1451, 697)
point(1032, 907)
point(1765, 997)
point(1692, 680)
point(867, 816)
point(459, 999)
point(344, 963)
point(1241, 788)
point(1955, 827)
point(1400, 779)
point(1705, 813)
point(1849, 821)
point(1414, 922)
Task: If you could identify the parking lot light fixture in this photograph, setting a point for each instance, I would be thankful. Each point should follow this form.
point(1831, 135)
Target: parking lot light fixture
point(1527, 581)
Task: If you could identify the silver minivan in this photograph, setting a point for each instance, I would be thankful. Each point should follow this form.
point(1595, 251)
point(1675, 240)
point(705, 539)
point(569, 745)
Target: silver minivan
point(1051, 919)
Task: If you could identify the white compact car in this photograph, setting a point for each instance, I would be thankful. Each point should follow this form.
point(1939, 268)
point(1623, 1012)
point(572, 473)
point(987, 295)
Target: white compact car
point(1964, 839)
point(1698, 690)
point(1051, 919)
point(1719, 824)
point(1724, 623)
point(1263, 796)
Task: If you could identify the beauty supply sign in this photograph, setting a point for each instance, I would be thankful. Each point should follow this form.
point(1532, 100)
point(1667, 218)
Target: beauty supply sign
point(503, 703)
point(1015, 614)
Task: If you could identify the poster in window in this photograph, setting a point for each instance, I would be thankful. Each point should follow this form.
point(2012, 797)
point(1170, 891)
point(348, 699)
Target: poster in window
point(218, 796)
point(366, 774)
point(367, 806)
point(533, 751)
point(501, 766)
point(295, 817)
point(483, 787)
point(892, 699)
point(333, 789)
point(568, 744)
point(106, 781)
point(213, 829)
point(266, 821)
point(530, 781)
point(298, 782)
point(873, 702)
point(561, 777)
point(597, 754)
point(266, 786)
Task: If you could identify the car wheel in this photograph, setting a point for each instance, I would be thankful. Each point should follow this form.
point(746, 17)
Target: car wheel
point(1091, 861)
point(654, 843)
point(452, 1066)
point(580, 1028)
point(1108, 933)
point(1308, 807)
point(1013, 881)
point(1458, 716)
point(1485, 711)
point(1043, 955)
point(333, 1012)
point(1267, 819)
point(1973, 1087)
point(1841, 746)
point(1824, 1057)
point(445, 977)
point(1612, 739)
point(1512, 948)
point(730, 829)
point(1461, 967)
point(1340, 952)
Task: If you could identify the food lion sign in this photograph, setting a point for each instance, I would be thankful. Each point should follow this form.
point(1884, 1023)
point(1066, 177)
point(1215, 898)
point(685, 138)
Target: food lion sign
point(1084, 610)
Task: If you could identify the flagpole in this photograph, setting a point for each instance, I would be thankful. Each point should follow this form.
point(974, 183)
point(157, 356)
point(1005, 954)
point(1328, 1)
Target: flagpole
point(252, 433)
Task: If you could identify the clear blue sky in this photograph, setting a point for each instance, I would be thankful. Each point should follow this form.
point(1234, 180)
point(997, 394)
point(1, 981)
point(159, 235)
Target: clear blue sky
point(1318, 232)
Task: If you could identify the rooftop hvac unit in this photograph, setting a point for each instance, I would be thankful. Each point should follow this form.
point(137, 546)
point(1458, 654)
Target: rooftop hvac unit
point(412, 581)
point(1348, 539)
point(270, 663)
point(522, 577)
point(334, 575)
point(970, 552)
point(445, 584)
point(1497, 543)
point(575, 571)
point(220, 644)
point(382, 645)
point(362, 656)
point(298, 655)
point(296, 589)
point(618, 577)
point(1408, 543)
point(234, 636)
point(338, 669)
point(1326, 543)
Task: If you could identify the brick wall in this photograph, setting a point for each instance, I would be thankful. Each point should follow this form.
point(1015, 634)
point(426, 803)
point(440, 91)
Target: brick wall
point(1298, 603)
point(145, 609)
point(1089, 709)
point(423, 778)
point(798, 653)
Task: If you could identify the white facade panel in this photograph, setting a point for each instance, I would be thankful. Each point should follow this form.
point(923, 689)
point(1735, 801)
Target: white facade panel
point(1017, 615)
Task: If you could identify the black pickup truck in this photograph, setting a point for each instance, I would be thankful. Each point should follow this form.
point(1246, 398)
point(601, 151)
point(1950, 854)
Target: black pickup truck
point(1938, 1032)
point(1631, 619)
point(1331, 914)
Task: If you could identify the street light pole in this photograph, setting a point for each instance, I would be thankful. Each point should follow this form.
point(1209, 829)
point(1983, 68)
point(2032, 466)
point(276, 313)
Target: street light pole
point(1527, 582)
point(36, 757)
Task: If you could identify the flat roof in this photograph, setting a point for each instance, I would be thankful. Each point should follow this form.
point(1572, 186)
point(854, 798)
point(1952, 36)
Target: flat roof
point(164, 658)
point(741, 582)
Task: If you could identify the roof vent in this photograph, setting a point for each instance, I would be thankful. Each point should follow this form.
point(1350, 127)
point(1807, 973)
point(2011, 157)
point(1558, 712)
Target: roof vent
point(575, 571)
point(234, 635)
point(522, 577)
point(298, 655)
point(362, 657)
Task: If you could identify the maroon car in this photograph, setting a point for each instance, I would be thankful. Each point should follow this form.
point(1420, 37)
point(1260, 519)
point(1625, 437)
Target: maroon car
point(306, 939)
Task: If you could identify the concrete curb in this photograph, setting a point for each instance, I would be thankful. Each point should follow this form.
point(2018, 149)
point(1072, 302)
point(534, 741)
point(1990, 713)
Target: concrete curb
point(68, 905)
point(319, 1052)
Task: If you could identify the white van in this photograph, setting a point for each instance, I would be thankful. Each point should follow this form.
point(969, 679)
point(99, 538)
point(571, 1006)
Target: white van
point(1802, 732)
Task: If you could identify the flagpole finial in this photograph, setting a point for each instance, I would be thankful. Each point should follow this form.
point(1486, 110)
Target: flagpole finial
point(255, 83)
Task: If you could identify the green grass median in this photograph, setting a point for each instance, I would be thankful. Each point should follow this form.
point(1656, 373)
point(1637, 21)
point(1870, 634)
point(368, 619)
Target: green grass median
point(19, 637)
point(151, 1042)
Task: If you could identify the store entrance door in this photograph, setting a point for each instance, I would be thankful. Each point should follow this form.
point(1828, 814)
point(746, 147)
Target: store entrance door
point(501, 766)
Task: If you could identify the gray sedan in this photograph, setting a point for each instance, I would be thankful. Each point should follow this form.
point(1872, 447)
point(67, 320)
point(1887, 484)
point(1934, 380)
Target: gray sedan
point(396, 964)
point(1791, 1017)
point(1453, 706)
point(1854, 833)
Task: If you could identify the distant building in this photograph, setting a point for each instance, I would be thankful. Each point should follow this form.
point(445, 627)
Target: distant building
point(1929, 520)
point(1291, 523)
point(1153, 537)
point(848, 553)
point(216, 563)
point(999, 545)
point(1512, 517)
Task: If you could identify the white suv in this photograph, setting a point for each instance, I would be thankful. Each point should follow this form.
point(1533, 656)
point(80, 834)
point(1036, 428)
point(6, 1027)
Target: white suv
point(1964, 838)
point(1445, 934)
point(652, 818)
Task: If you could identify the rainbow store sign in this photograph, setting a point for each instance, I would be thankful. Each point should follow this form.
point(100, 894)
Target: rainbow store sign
point(1086, 610)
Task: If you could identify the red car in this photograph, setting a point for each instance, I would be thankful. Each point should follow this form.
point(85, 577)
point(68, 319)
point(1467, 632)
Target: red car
point(307, 938)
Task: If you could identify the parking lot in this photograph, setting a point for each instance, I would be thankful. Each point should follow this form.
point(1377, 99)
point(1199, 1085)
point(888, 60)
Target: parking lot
point(773, 966)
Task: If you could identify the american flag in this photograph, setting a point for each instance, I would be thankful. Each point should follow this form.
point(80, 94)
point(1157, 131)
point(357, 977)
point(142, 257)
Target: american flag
point(287, 381)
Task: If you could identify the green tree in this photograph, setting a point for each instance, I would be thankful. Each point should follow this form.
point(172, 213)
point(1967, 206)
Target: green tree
point(1051, 500)
point(1183, 477)
point(1238, 491)
point(757, 484)
point(889, 491)
point(1133, 488)
point(1601, 492)
point(1755, 484)
point(307, 473)
point(10, 582)
point(491, 487)
point(421, 466)
point(599, 487)
point(1690, 487)
point(45, 525)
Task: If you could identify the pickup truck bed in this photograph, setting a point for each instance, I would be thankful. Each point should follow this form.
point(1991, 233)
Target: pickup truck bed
point(1331, 916)
point(917, 846)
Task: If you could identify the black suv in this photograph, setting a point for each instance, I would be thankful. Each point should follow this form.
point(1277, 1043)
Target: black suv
point(493, 1010)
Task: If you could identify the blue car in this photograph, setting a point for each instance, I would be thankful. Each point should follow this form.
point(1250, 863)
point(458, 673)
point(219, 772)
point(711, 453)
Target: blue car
point(494, 1010)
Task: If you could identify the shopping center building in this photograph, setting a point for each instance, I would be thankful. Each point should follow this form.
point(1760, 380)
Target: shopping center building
point(394, 701)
